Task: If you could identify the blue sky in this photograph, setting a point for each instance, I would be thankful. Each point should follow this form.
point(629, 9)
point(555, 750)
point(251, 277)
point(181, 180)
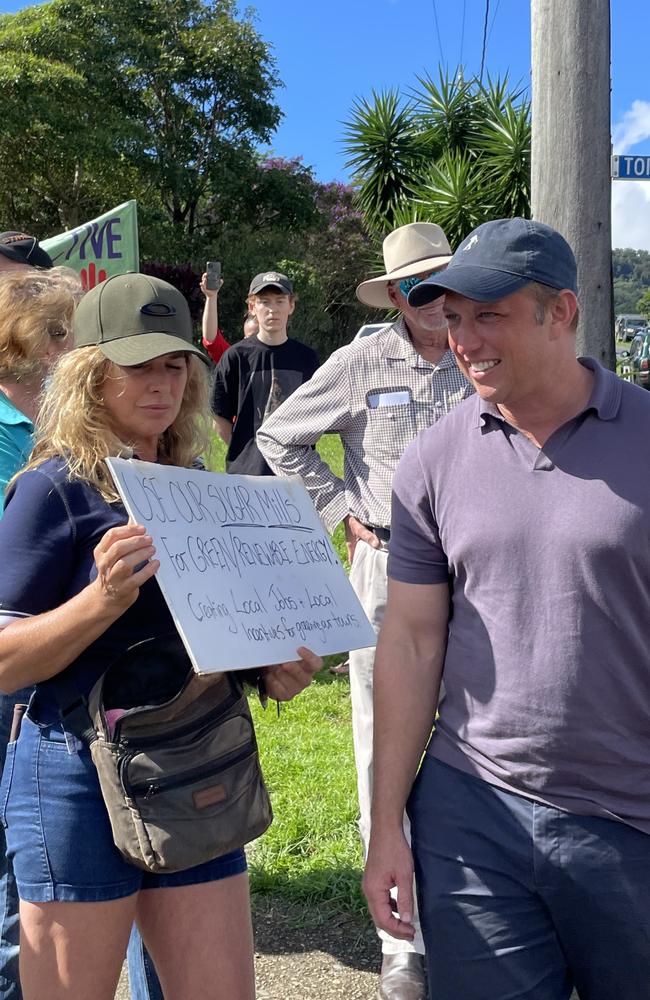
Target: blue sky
point(328, 54)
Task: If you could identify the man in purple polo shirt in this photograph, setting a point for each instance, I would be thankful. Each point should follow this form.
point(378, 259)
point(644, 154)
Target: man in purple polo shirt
point(520, 566)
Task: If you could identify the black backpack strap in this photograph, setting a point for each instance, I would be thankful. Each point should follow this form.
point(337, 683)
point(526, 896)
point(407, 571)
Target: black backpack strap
point(73, 707)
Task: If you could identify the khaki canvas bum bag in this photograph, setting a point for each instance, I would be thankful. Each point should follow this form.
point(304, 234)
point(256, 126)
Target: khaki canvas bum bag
point(180, 777)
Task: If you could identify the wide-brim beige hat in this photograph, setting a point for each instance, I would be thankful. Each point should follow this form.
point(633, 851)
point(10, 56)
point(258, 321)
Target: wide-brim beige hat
point(408, 251)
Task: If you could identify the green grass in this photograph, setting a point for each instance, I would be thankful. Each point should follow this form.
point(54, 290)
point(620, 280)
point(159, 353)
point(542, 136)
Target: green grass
point(312, 853)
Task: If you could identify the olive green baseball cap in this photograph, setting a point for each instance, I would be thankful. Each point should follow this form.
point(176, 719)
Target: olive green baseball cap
point(134, 318)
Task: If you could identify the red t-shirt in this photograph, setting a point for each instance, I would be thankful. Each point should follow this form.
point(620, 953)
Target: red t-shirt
point(218, 346)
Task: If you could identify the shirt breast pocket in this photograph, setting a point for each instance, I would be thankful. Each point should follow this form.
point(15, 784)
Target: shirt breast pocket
point(391, 423)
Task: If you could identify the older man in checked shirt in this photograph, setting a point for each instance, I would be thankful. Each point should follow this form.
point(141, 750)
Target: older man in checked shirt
point(377, 394)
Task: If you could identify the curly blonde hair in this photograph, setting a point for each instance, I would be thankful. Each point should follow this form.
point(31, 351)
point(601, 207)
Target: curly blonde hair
point(74, 423)
point(34, 307)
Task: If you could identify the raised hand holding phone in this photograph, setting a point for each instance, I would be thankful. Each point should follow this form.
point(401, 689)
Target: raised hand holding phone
point(213, 275)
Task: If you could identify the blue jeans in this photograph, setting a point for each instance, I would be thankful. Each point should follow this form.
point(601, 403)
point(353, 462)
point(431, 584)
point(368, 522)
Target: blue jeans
point(143, 980)
point(9, 920)
point(522, 901)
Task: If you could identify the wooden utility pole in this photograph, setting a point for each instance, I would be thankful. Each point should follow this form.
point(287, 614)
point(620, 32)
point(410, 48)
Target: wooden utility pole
point(571, 151)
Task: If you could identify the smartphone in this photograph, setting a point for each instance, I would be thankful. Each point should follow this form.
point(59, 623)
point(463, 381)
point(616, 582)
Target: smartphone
point(213, 272)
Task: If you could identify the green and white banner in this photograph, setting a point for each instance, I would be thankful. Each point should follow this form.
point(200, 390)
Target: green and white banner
point(100, 248)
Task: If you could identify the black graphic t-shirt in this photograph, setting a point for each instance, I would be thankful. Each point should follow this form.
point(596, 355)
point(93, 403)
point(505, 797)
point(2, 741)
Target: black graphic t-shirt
point(251, 381)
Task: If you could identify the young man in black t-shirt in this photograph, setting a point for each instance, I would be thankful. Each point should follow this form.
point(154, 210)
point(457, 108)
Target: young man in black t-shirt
point(257, 374)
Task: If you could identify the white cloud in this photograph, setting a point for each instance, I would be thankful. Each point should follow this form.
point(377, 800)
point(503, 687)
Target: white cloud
point(633, 127)
point(631, 214)
point(631, 199)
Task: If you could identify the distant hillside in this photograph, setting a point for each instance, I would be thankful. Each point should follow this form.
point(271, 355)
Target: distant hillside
point(631, 270)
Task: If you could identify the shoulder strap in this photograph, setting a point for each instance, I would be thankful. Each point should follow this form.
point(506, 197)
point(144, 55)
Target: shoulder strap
point(73, 707)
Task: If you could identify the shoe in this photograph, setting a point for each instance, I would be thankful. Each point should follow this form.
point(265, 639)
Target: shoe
point(402, 977)
point(341, 669)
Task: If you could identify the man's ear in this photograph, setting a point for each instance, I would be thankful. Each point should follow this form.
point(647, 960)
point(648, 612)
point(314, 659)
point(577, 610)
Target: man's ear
point(564, 307)
point(292, 304)
point(392, 295)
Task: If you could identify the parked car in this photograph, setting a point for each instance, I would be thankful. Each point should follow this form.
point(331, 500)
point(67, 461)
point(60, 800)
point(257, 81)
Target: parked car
point(368, 328)
point(629, 324)
point(638, 359)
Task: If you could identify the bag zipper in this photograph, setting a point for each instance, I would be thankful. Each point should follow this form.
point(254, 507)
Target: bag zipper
point(142, 742)
point(153, 785)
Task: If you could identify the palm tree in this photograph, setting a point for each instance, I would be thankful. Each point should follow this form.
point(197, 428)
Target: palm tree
point(455, 152)
point(386, 151)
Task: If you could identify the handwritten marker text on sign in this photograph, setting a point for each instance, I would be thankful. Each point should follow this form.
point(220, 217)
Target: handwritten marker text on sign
point(247, 568)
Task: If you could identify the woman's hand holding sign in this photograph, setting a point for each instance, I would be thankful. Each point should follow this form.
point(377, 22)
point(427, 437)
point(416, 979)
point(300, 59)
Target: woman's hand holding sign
point(285, 680)
point(124, 562)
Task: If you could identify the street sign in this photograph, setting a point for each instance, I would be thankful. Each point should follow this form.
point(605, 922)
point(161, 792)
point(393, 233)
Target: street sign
point(631, 168)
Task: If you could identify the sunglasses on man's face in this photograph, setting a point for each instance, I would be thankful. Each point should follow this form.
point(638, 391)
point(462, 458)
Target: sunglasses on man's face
point(406, 284)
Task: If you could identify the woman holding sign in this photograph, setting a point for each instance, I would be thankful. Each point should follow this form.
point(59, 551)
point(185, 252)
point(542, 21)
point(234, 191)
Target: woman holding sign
point(78, 589)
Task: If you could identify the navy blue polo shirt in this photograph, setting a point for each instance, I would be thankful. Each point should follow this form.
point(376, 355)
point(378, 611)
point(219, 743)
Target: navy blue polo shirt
point(49, 530)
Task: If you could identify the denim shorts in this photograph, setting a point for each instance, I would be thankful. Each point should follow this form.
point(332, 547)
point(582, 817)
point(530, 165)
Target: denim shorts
point(58, 831)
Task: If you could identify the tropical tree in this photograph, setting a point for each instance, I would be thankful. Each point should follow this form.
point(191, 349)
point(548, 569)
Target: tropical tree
point(454, 151)
point(386, 151)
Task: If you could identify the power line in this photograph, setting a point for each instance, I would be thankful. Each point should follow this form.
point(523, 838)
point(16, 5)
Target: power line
point(462, 36)
point(494, 17)
point(435, 18)
point(485, 28)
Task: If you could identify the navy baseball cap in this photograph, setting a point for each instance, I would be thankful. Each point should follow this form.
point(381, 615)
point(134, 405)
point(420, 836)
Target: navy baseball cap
point(500, 257)
point(24, 249)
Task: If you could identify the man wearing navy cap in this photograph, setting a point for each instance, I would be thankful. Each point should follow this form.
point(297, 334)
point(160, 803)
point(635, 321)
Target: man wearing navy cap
point(519, 568)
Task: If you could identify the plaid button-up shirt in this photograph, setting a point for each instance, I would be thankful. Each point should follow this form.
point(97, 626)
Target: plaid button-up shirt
point(377, 393)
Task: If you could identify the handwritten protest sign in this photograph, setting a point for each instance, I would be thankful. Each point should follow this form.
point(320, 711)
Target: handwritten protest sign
point(246, 567)
point(100, 248)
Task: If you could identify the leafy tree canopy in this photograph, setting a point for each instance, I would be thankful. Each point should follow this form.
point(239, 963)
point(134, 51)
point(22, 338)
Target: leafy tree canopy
point(109, 99)
point(631, 272)
point(643, 305)
point(167, 102)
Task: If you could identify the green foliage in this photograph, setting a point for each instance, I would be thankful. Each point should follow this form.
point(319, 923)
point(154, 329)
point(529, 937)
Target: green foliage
point(456, 152)
point(59, 126)
point(386, 149)
point(446, 112)
point(631, 272)
point(503, 145)
point(632, 265)
point(102, 100)
point(452, 194)
point(167, 101)
point(643, 305)
point(334, 259)
point(324, 250)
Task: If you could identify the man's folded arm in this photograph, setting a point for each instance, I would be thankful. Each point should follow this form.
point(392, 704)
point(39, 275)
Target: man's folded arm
point(287, 437)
